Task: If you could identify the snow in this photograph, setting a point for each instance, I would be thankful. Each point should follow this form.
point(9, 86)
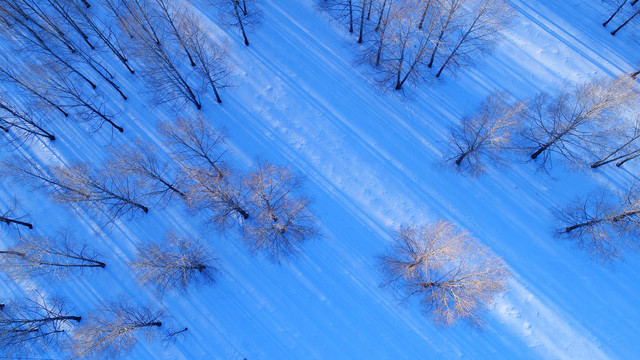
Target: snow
point(372, 161)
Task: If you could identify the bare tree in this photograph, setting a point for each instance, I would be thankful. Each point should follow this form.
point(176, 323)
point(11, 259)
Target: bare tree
point(578, 119)
point(80, 184)
point(74, 98)
point(486, 135)
point(196, 144)
point(487, 18)
point(243, 14)
point(408, 47)
point(154, 176)
point(626, 22)
point(222, 196)
point(452, 275)
point(33, 325)
point(622, 153)
point(56, 256)
point(210, 58)
point(619, 4)
point(9, 75)
point(175, 15)
point(112, 331)
point(20, 123)
point(10, 219)
point(280, 216)
point(603, 224)
point(100, 29)
point(175, 264)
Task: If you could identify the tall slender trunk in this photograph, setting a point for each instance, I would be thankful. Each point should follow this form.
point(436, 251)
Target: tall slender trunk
point(614, 218)
point(240, 23)
point(614, 13)
point(350, 16)
point(627, 159)
point(626, 22)
point(606, 159)
point(384, 3)
point(424, 14)
point(364, 4)
point(9, 221)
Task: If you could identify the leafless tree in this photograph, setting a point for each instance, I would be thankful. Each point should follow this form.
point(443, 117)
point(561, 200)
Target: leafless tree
point(446, 14)
point(243, 14)
point(341, 10)
point(175, 264)
point(175, 15)
point(74, 98)
point(210, 58)
point(165, 80)
point(9, 75)
point(486, 135)
point(403, 55)
point(112, 331)
point(222, 196)
point(8, 217)
point(57, 257)
point(153, 176)
point(99, 28)
point(578, 119)
point(23, 125)
point(476, 35)
point(79, 184)
point(196, 144)
point(626, 22)
point(603, 224)
point(280, 218)
point(622, 153)
point(618, 4)
point(33, 325)
point(452, 275)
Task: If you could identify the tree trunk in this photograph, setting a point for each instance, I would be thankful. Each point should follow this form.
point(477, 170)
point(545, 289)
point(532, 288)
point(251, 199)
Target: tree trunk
point(424, 15)
point(625, 23)
point(606, 160)
point(14, 221)
point(614, 218)
point(627, 159)
point(615, 13)
point(244, 34)
point(350, 16)
point(364, 4)
point(384, 3)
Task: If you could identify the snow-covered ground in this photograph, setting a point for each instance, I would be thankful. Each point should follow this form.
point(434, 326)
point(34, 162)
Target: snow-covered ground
point(371, 161)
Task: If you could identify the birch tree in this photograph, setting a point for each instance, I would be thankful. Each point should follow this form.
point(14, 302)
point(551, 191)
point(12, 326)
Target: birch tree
point(578, 119)
point(53, 257)
point(486, 135)
point(113, 330)
point(79, 184)
point(34, 325)
point(451, 275)
point(175, 264)
point(604, 224)
point(280, 216)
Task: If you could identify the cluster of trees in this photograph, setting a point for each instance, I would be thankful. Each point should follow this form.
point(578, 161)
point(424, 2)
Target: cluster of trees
point(36, 324)
point(583, 121)
point(450, 273)
point(267, 204)
point(60, 68)
point(592, 120)
point(407, 38)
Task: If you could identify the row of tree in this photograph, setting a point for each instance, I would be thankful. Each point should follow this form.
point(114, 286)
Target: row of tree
point(61, 45)
point(267, 204)
point(37, 324)
point(406, 38)
point(596, 119)
point(581, 121)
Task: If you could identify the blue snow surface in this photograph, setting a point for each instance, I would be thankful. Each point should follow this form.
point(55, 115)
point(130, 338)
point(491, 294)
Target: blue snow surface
point(372, 162)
